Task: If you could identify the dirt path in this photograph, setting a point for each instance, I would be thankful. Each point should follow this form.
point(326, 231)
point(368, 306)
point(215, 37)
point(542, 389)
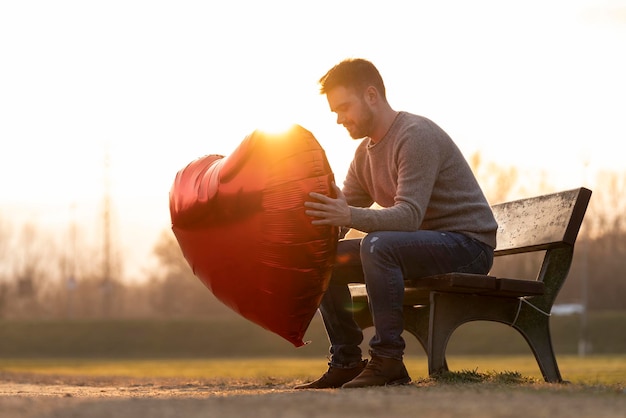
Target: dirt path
point(67, 397)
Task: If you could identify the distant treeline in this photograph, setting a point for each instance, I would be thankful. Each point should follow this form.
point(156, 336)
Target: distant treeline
point(35, 283)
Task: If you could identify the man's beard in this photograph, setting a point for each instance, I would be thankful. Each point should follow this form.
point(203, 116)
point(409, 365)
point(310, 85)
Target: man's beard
point(363, 127)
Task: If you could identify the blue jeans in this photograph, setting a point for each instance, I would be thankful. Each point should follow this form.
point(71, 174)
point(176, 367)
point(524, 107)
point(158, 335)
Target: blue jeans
point(382, 260)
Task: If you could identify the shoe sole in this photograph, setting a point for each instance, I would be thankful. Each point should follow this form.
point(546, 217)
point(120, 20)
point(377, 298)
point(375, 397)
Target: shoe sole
point(320, 385)
point(400, 382)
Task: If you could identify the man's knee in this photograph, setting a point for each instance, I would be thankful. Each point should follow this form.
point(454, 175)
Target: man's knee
point(373, 243)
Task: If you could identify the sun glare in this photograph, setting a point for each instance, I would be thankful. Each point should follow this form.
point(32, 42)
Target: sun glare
point(276, 127)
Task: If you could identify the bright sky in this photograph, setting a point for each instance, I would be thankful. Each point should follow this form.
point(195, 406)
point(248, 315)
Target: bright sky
point(537, 84)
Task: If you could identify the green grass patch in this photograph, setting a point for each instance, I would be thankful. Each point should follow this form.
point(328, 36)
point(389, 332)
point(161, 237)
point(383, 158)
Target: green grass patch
point(473, 376)
point(233, 348)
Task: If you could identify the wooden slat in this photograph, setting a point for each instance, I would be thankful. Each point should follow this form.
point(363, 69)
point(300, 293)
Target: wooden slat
point(540, 222)
point(412, 296)
point(417, 291)
point(518, 287)
point(358, 291)
point(455, 282)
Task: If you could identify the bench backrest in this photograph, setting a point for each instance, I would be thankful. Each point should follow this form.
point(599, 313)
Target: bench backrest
point(550, 222)
point(541, 222)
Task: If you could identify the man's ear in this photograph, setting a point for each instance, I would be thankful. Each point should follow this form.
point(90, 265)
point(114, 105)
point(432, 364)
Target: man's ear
point(371, 95)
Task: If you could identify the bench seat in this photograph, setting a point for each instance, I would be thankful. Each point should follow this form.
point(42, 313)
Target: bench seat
point(417, 291)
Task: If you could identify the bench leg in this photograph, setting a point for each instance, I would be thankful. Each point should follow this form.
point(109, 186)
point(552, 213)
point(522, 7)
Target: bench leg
point(535, 328)
point(416, 322)
point(439, 334)
point(362, 315)
point(450, 310)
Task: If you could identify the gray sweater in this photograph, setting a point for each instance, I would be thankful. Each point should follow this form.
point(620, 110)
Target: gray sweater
point(420, 179)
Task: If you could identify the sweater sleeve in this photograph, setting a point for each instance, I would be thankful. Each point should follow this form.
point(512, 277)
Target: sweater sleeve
point(356, 195)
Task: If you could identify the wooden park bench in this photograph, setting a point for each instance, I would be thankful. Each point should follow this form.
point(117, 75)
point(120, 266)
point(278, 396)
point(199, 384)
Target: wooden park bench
point(435, 306)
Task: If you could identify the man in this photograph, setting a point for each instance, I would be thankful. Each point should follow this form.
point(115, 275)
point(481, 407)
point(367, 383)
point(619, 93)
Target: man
point(432, 218)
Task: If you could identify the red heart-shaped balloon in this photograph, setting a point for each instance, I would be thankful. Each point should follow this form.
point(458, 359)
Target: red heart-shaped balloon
point(241, 224)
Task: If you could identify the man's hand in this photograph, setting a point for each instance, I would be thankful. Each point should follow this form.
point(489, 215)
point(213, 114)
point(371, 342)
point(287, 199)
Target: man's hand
point(329, 211)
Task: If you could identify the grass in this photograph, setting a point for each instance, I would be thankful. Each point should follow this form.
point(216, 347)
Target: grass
point(592, 370)
point(473, 376)
point(233, 350)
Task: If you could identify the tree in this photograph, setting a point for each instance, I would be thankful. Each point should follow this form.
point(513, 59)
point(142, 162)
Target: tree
point(497, 182)
point(28, 273)
point(5, 237)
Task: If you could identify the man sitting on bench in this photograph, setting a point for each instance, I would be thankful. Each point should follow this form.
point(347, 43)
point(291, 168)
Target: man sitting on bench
point(434, 218)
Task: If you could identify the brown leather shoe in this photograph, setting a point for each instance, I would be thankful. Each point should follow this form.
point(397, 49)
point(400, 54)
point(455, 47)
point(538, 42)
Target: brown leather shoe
point(381, 371)
point(335, 377)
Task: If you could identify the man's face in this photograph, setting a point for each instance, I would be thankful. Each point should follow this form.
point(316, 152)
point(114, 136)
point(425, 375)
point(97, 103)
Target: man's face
point(352, 110)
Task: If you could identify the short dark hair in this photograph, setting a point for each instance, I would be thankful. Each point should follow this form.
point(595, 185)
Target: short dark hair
point(355, 73)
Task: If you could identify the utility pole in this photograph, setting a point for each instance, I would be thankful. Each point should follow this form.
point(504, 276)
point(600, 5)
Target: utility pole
point(106, 285)
point(71, 269)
